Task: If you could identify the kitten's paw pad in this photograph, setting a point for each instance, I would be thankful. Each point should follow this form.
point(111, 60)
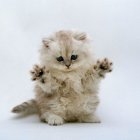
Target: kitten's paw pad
point(37, 72)
point(103, 65)
point(55, 120)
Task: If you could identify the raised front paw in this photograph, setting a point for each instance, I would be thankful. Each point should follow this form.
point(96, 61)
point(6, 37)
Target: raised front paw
point(37, 72)
point(103, 66)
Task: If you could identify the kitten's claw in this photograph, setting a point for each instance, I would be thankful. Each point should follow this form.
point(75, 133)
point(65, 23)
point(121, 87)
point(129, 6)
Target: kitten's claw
point(37, 72)
point(103, 66)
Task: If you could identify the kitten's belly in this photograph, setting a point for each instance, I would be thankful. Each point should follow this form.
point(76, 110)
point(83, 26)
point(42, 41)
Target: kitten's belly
point(73, 106)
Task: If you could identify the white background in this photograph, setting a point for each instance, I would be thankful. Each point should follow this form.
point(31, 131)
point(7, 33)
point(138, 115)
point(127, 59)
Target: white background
point(114, 26)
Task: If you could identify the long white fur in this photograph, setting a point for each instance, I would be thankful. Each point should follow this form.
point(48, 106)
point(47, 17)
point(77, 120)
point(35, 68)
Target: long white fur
point(67, 94)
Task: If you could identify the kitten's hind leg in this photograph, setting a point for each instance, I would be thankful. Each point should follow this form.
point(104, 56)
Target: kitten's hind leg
point(52, 119)
point(89, 119)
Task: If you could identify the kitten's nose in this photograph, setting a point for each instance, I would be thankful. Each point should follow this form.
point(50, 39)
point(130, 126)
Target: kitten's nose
point(67, 65)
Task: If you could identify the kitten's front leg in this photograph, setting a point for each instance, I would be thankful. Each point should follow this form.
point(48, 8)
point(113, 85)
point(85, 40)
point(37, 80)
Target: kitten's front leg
point(102, 67)
point(37, 73)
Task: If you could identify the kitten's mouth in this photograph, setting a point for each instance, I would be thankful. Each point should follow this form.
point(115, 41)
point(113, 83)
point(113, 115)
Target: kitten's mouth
point(68, 69)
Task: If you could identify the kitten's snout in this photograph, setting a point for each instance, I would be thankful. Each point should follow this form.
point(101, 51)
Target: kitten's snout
point(67, 64)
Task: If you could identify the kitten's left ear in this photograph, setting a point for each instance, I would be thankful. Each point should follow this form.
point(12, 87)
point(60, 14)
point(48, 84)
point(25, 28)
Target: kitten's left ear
point(81, 36)
point(46, 41)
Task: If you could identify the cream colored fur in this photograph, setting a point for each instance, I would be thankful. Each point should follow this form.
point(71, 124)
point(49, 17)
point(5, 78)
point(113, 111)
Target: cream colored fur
point(67, 94)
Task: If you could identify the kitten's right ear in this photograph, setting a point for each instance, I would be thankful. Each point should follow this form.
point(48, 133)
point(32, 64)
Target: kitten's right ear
point(46, 41)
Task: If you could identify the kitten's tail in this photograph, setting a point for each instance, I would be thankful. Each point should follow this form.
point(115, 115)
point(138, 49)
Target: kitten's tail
point(28, 107)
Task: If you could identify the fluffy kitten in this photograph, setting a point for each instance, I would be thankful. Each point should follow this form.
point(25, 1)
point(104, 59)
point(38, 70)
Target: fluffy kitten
point(66, 81)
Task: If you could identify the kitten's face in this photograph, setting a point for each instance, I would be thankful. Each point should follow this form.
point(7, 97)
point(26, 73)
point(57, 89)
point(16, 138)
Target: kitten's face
point(64, 52)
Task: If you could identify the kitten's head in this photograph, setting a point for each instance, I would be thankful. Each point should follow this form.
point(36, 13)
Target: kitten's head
point(65, 51)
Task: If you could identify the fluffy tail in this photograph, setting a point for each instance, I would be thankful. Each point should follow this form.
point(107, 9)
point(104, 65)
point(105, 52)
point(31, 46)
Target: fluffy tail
point(28, 107)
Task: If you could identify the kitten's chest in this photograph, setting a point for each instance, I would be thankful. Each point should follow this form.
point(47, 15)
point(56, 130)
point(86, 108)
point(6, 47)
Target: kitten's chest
point(66, 85)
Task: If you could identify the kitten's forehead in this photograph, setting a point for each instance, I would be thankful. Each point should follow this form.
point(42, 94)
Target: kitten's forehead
point(65, 42)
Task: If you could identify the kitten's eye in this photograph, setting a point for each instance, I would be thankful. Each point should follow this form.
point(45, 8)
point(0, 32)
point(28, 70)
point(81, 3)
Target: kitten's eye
point(60, 58)
point(74, 57)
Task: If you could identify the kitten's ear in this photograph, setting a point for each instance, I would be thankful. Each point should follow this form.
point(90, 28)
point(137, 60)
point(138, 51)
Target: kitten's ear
point(46, 41)
point(81, 36)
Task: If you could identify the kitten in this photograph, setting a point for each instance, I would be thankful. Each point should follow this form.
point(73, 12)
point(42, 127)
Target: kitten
point(66, 81)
